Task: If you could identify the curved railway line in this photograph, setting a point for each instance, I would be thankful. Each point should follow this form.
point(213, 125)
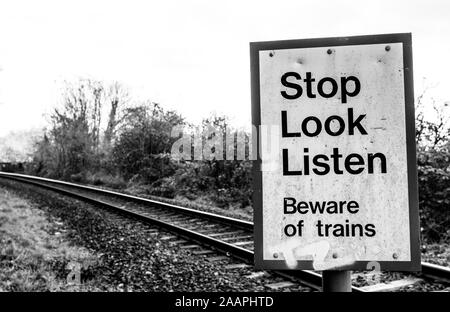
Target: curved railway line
point(227, 235)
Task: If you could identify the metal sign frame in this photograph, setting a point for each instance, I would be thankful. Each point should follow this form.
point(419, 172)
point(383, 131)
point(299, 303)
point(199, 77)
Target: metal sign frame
point(405, 39)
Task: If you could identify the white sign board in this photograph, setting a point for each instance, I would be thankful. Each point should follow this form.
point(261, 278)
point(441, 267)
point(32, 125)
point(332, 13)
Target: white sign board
point(335, 179)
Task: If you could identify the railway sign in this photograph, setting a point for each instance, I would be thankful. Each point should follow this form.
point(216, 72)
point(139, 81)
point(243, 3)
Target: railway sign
point(335, 181)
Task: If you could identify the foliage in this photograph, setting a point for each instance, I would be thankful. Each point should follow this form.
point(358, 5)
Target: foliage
point(433, 159)
point(144, 141)
point(72, 144)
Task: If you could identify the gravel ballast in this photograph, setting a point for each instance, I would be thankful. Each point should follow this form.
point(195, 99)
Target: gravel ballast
point(136, 257)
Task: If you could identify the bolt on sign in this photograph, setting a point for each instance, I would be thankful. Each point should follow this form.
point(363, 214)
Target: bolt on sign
point(335, 180)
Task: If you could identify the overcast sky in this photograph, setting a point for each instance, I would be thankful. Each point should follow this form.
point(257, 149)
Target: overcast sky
point(192, 56)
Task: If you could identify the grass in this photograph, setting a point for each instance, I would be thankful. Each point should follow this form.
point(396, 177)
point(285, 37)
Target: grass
point(34, 254)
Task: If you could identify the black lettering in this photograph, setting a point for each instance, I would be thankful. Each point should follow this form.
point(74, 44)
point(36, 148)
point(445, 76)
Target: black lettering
point(359, 227)
point(345, 92)
point(306, 162)
point(353, 206)
point(328, 125)
point(327, 227)
point(334, 87)
point(302, 207)
point(332, 207)
point(382, 158)
point(286, 171)
point(305, 126)
point(291, 85)
point(317, 207)
point(336, 157)
point(358, 162)
point(370, 230)
point(324, 165)
point(338, 230)
point(284, 127)
point(287, 205)
point(319, 228)
point(357, 123)
point(309, 81)
point(341, 206)
point(292, 232)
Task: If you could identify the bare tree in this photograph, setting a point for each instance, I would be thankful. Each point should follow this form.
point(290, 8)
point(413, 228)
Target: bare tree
point(117, 97)
point(431, 132)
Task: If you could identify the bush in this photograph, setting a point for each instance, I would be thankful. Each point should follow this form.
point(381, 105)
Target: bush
point(77, 177)
point(164, 188)
point(434, 202)
point(101, 178)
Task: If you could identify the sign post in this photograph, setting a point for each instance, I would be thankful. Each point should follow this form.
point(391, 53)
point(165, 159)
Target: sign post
point(335, 179)
point(336, 281)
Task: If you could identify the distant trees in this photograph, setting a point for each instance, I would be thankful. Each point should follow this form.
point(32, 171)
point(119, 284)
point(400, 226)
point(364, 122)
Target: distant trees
point(73, 141)
point(117, 97)
point(144, 141)
point(18, 146)
point(98, 136)
point(230, 180)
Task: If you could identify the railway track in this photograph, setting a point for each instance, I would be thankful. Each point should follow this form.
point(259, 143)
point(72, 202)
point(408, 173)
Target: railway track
point(227, 235)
